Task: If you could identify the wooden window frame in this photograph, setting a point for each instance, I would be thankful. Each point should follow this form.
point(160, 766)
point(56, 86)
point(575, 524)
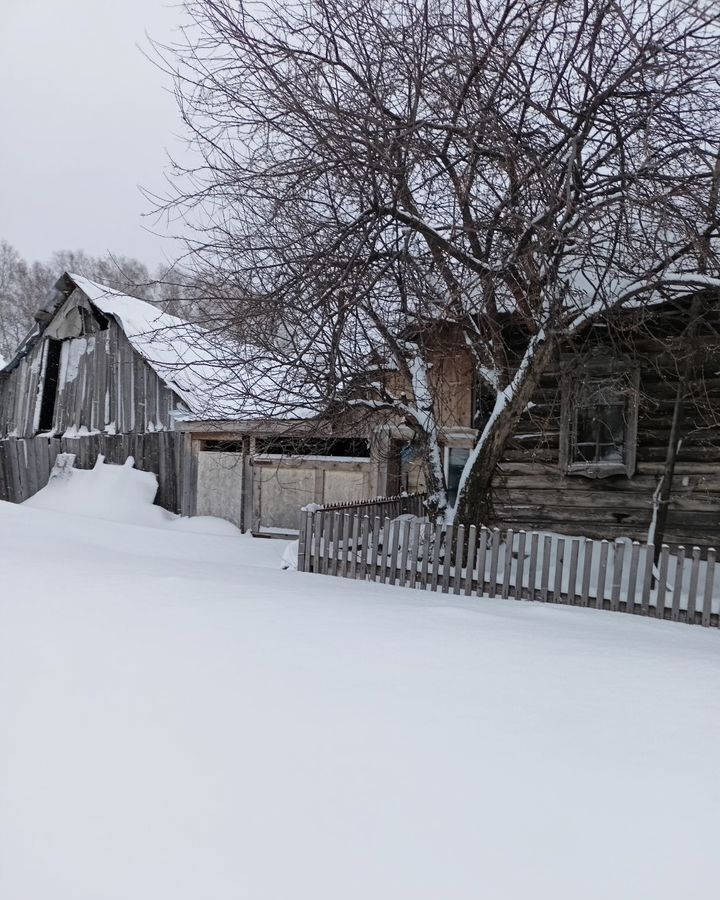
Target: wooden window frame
point(575, 371)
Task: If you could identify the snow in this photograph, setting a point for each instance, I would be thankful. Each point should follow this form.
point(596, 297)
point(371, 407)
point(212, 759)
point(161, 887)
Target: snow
point(182, 719)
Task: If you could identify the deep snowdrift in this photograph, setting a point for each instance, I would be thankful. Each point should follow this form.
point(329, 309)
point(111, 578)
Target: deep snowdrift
point(180, 723)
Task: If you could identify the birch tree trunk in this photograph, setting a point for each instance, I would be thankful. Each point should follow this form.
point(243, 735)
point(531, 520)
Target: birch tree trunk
point(474, 503)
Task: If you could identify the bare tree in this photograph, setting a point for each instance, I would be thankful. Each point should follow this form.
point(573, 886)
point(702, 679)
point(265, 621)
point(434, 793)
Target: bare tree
point(373, 172)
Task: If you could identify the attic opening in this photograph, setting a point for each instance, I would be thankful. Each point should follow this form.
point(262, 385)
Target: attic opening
point(50, 385)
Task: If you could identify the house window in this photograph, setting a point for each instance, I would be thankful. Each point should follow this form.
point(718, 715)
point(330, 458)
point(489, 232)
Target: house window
point(599, 422)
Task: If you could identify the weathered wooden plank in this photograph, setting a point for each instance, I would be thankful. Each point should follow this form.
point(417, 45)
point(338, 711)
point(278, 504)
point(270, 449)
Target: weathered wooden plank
point(374, 573)
point(355, 539)
point(677, 589)
point(572, 591)
point(532, 566)
point(386, 542)
point(336, 543)
point(470, 560)
point(632, 578)
point(602, 574)
point(520, 568)
point(365, 532)
point(305, 523)
point(483, 537)
point(435, 568)
point(662, 582)
point(494, 554)
point(708, 587)
point(414, 551)
point(545, 577)
point(647, 580)
point(692, 589)
point(426, 555)
point(345, 549)
point(559, 568)
point(404, 552)
point(507, 564)
point(447, 561)
point(618, 560)
point(588, 548)
point(459, 553)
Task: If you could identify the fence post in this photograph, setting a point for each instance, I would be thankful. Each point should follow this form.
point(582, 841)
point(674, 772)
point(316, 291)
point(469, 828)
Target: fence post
point(572, 594)
point(414, 545)
point(305, 520)
point(647, 580)
point(588, 548)
point(559, 564)
point(494, 554)
point(507, 564)
point(602, 575)
point(482, 553)
point(618, 559)
point(520, 568)
point(532, 565)
point(447, 562)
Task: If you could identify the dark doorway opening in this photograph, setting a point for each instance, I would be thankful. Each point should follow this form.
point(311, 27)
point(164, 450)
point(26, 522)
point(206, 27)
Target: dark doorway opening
point(50, 385)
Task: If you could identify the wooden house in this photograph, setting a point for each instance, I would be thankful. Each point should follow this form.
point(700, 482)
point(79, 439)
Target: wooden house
point(590, 452)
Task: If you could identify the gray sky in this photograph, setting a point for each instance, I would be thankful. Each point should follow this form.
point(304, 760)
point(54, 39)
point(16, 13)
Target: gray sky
point(84, 120)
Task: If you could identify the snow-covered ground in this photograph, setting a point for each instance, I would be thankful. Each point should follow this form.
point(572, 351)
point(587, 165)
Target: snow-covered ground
point(180, 719)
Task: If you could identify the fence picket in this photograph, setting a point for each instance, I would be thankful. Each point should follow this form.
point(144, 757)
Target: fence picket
point(404, 552)
point(559, 566)
point(507, 564)
point(374, 572)
point(393, 560)
point(385, 556)
point(647, 580)
point(547, 544)
point(459, 551)
point(709, 585)
point(327, 538)
point(436, 557)
point(337, 537)
point(302, 536)
point(532, 566)
point(482, 554)
point(618, 560)
point(364, 547)
point(572, 575)
point(414, 544)
point(355, 543)
point(470, 561)
point(662, 582)
point(427, 531)
point(494, 554)
point(345, 558)
point(447, 561)
point(586, 571)
point(632, 578)
point(520, 567)
point(602, 575)
point(677, 589)
point(692, 589)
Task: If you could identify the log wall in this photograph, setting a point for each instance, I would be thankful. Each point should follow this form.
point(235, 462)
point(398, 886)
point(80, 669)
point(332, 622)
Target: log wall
point(531, 491)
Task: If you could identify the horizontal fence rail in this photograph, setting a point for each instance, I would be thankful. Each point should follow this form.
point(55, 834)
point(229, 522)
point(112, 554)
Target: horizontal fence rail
point(390, 507)
point(407, 551)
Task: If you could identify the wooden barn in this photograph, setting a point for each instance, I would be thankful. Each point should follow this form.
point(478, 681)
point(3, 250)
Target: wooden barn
point(105, 373)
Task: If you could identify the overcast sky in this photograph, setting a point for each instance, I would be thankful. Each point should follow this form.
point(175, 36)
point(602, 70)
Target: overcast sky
point(84, 120)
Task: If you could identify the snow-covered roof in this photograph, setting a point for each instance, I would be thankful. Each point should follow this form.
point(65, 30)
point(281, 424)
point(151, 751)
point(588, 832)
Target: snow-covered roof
point(216, 378)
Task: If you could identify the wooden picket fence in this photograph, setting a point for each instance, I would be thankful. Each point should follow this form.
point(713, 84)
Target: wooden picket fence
point(484, 562)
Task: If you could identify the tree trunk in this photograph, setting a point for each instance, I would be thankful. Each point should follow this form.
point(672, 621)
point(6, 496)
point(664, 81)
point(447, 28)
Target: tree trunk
point(474, 503)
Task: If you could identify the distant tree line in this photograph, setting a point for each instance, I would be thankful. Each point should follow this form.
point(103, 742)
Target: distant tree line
point(24, 285)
